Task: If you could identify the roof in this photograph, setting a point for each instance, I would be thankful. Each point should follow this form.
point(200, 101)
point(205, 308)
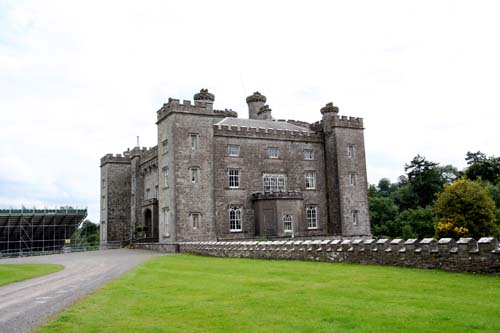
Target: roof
point(257, 123)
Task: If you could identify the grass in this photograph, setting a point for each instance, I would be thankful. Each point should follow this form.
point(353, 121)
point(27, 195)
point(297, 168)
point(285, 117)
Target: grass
point(10, 273)
point(188, 293)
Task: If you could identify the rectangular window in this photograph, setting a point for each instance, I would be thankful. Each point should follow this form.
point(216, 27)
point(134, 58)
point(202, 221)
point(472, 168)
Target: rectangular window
point(103, 184)
point(274, 183)
point(308, 154)
point(165, 212)
point(146, 194)
point(193, 174)
point(352, 179)
point(195, 220)
point(235, 219)
point(165, 146)
point(165, 176)
point(233, 150)
point(273, 152)
point(310, 180)
point(194, 140)
point(350, 151)
point(312, 217)
point(103, 202)
point(287, 223)
point(354, 215)
point(234, 178)
point(156, 191)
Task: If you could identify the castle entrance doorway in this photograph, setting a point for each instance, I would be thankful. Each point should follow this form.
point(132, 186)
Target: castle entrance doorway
point(148, 223)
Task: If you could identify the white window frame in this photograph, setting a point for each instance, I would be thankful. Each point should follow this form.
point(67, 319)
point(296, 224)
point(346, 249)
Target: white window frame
point(195, 220)
point(312, 217)
point(233, 150)
point(310, 177)
point(194, 140)
point(233, 178)
point(273, 152)
point(352, 179)
point(351, 150)
point(355, 217)
point(235, 219)
point(274, 182)
point(287, 223)
point(309, 154)
point(194, 175)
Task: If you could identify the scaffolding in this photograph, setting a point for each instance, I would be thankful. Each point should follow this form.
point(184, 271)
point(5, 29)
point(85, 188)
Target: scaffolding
point(38, 231)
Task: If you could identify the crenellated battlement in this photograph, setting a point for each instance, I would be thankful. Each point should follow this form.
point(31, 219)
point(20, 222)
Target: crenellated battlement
point(226, 113)
point(334, 120)
point(266, 133)
point(464, 255)
point(117, 158)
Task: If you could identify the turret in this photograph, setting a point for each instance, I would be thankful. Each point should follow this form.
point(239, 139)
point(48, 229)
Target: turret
point(255, 103)
point(204, 98)
point(264, 113)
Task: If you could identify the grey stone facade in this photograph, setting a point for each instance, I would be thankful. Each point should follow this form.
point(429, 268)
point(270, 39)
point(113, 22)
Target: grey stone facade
point(214, 176)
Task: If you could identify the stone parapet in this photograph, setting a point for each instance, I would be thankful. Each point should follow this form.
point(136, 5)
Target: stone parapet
point(465, 255)
point(266, 133)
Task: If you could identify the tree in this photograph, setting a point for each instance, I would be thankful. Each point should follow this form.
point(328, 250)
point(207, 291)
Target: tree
point(383, 211)
point(482, 167)
point(423, 180)
point(416, 223)
point(465, 208)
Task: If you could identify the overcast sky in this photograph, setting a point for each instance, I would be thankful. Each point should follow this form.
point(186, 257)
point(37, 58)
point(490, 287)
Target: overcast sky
point(82, 79)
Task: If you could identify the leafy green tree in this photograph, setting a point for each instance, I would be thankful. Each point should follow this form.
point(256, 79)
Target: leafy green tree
point(383, 211)
point(87, 234)
point(482, 167)
point(416, 223)
point(465, 208)
point(424, 179)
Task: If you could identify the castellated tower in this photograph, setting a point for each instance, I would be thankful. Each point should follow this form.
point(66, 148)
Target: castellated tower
point(185, 162)
point(115, 199)
point(346, 180)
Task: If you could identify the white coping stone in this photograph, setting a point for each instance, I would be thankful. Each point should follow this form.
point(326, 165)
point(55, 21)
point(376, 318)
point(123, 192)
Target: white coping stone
point(317, 241)
point(357, 241)
point(485, 240)
point(445, 241)
point(369, 241)
point(289, 242)
point(411, 241)
point(346, 241)
point(324, 242)
point(297, 242)
point(307, 242)
point(427, 241)
point(383, 241)
point(335, 241)
point(465, 240)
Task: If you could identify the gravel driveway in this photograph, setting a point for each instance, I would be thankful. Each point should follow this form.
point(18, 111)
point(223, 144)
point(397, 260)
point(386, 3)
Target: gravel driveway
point(26, 304)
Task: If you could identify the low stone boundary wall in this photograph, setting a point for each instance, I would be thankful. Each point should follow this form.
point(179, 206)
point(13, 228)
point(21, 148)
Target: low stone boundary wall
point(464, 255)
point(158, 247)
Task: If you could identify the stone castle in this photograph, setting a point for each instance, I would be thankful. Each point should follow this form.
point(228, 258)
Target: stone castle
point(214, 176)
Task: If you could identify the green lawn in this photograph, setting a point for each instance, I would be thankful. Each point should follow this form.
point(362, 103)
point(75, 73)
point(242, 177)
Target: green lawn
point(17, 272)
point(188, 293)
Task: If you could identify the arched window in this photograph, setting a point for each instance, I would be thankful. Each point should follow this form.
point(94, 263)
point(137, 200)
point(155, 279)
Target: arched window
point(235, 219)
point(287, 223)
point(312, 217)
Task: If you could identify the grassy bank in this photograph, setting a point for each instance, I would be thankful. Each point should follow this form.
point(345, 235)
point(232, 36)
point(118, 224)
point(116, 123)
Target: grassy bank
point(199, 294)
point(18, 272)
